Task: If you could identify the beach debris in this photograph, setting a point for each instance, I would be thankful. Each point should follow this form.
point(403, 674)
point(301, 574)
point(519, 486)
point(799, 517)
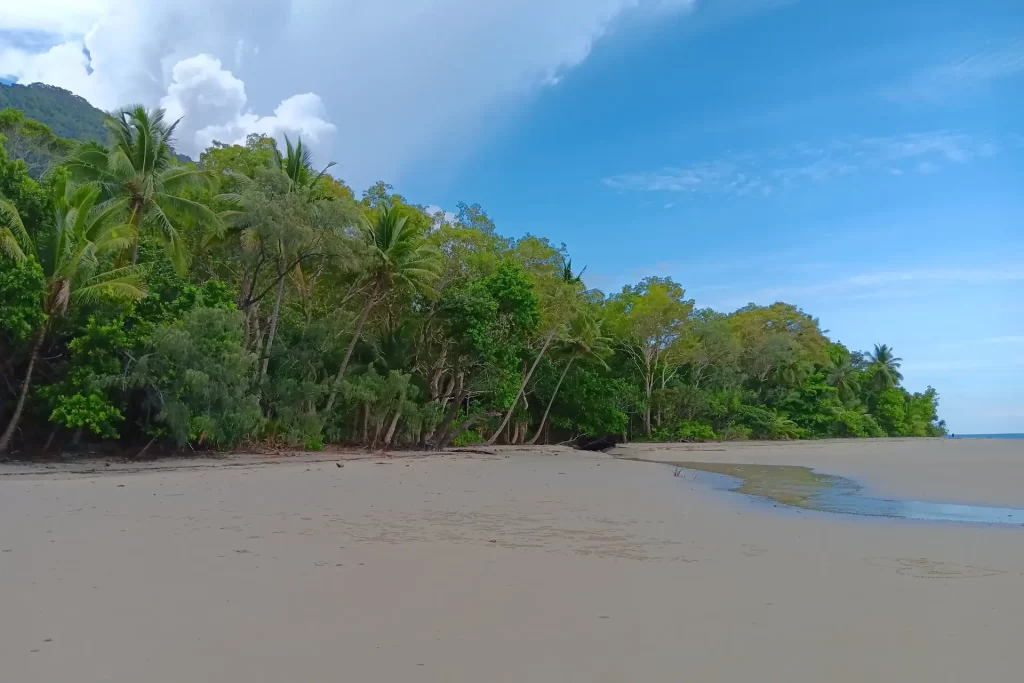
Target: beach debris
point(677, 472)
point(339, 464)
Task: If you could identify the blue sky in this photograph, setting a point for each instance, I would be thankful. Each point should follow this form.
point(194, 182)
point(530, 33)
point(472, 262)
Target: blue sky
point(863, 160)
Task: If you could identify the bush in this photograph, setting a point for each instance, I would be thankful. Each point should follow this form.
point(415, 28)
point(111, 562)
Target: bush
point(196, 377)
point(736, 433)
point(21, 295)
point(468, 437)
point(689, 430)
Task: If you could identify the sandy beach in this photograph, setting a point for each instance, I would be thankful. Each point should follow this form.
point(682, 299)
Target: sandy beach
point(545, 565)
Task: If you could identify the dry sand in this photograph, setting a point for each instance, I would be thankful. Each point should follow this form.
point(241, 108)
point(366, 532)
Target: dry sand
point(483, 569)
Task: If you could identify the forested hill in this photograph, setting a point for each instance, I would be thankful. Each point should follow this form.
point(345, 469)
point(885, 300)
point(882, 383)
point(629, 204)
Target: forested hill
point(247, 297)
point(67, 114)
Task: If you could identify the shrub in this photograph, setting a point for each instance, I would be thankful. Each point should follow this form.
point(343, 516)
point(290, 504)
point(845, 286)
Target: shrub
point(196, 377)
point(689, 430)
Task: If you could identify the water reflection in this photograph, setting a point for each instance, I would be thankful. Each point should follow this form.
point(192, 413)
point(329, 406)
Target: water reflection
point(803, 488)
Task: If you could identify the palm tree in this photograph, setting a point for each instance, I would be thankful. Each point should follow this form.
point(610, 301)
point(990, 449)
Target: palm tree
point(70, 252)
point(297, 164)
point(584, 339)
point(843, 376)
point(565, 299)
point(12, 232)
point(401, 261)
point(884, 367)
point(138, 167)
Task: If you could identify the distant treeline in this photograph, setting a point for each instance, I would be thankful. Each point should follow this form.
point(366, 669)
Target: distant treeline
point(253, 297)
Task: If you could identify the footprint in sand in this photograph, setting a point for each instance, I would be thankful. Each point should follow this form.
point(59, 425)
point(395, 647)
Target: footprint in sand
point(923, 568)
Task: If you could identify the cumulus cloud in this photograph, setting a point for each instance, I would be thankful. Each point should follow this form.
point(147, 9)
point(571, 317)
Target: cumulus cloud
point(211, 103)
point(405, 82)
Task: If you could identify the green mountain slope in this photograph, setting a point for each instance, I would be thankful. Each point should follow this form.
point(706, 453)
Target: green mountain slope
point(67, 114)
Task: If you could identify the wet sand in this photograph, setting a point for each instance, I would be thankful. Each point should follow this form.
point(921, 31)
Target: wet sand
point(983, 471)
point(536, 567)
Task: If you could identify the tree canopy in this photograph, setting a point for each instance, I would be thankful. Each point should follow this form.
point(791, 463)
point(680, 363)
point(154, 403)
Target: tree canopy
point(251, 297)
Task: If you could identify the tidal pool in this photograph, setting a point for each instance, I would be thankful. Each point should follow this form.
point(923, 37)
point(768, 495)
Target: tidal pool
point(802, 487)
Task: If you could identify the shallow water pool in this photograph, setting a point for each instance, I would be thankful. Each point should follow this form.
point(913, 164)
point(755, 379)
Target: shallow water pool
point(802, 487)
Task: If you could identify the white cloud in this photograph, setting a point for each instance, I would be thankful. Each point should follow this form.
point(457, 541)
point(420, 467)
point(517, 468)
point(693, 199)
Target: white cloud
point(211, 102)
point(802, 164)
point(57, 16)
point(440, 215)
point(404, 81)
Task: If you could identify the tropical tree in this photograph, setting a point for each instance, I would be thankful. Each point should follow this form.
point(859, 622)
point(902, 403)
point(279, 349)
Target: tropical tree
point(400, 262)
point(74, 255)
point(12, 232)
point(884, 367)
point(842, 373)
point(585, 339)
point(648, 320)
point(560, 299)
point(139, 168)
point(297, 164)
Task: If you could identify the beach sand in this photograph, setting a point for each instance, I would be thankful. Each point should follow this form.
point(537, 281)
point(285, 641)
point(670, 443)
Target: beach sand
point(542, 566)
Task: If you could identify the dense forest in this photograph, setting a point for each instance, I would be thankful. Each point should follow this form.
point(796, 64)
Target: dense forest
point(66, 114)
point(251, 297)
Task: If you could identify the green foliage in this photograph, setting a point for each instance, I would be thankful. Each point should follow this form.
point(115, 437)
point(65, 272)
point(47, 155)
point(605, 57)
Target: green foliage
point(91, 411)
point(139, 172)
point(67, 114)
point(468, 438)
point(254, 297)
point(891, 413)
point(22, 286)
point(31, 142)
point(196, 379)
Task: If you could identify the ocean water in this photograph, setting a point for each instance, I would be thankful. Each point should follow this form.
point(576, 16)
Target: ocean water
point(989, 436)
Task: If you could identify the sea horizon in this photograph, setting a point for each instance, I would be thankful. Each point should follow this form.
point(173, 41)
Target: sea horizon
point(990, 436)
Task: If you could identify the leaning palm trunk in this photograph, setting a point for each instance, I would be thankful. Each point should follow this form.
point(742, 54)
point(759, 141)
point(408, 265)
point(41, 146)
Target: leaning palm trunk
point(351, 348)
point(551, 401)
point(522, 388)
point(391, 428)
point(19, 408)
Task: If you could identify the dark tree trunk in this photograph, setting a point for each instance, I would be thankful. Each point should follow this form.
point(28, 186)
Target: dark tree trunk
point(19, 408)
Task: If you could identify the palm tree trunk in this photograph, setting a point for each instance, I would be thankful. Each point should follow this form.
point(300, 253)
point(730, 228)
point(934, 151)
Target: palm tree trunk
point(522, 388)
point(551, 401)
point(272, 332)
point(135, 219)
point(351, 348)
point(366, 423)
point(391, 429)
point(37, 345)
